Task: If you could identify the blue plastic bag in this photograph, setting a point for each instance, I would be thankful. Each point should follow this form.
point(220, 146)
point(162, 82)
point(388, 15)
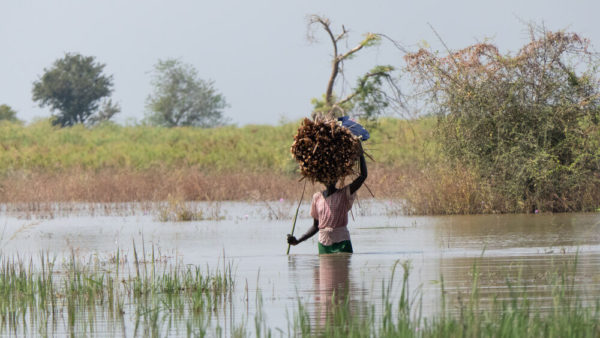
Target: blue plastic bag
point(355, 128)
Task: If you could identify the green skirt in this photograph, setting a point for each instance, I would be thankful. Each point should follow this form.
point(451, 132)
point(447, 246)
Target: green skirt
point(343, 246)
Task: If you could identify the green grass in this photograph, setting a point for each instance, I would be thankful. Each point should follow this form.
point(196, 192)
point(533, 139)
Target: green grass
point(39, 162)
point(252, 148)
point(159, 299)
point(36, 294)
point(517, 316)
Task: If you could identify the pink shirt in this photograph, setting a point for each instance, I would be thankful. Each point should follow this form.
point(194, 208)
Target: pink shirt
point(332, 213)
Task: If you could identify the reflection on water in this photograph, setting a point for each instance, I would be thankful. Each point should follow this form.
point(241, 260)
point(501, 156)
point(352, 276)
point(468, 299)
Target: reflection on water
point(333, 288)
point(332, 278)
point(510, 253)
point(332, 284)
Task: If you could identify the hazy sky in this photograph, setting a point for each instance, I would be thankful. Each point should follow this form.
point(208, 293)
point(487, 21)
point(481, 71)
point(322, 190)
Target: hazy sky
point(255, 51)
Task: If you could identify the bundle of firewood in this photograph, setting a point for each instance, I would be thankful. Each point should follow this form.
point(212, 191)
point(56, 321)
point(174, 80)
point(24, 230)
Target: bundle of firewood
point(325, 150)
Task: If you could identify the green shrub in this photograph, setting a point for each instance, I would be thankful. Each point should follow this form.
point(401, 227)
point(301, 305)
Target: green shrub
point(527, 123)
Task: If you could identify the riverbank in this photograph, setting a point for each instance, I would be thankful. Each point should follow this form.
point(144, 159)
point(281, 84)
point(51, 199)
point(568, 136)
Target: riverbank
point(190, 184)
point(112, 163)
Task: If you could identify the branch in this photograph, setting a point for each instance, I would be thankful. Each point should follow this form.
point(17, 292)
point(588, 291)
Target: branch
point(370, 37)
point(335, 66)
point(325, 23)
point(342, 34)
point(445, 46)
point(347, 98)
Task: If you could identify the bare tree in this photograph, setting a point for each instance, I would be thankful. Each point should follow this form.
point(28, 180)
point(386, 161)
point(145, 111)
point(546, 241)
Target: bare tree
point(368, 95)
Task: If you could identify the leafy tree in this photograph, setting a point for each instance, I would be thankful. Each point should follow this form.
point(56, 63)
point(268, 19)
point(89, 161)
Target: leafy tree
point(75, 87)
point(8, 114)
point(528, 123)
point(182, 98)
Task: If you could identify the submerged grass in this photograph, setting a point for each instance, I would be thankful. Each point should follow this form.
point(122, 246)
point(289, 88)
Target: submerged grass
point(177, 210)
point(42, 293)
point(35, 298)
point(517, 316)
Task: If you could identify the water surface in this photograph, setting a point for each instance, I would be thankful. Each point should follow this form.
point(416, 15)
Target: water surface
point(521, 249)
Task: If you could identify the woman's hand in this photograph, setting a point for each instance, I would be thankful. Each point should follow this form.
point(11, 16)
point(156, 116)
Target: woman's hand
point(313, 230)
point(292, 240)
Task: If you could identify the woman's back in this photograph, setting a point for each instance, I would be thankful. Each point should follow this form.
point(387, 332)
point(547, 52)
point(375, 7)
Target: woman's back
point(332, 211)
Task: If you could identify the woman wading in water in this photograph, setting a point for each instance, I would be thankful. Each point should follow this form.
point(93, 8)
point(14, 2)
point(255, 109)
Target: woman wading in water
point(330, 209)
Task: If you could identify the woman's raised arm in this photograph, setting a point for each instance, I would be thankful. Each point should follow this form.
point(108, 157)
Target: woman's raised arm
point(362, 176)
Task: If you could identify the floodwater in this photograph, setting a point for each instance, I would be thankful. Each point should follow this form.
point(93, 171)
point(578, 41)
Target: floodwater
point(521, 249)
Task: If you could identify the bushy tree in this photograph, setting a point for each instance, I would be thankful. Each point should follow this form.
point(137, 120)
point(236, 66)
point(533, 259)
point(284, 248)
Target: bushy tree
point(7, 113)
point(528, 123)
point(74, 87)
point(182, 98)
